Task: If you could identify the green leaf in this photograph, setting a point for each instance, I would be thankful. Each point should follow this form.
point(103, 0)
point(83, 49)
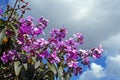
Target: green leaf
point(25, 66)
point(40, 69)
point(37, 64)
point(67, 77)
point(52, 67)
point(50, 76)
point(17, 67)
point(15, 30)
point(2, 35)
point(60, 73)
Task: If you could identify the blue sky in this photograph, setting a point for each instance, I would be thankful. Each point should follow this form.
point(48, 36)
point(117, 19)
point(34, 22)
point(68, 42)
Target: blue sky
point(3, 4)
point(98, 20)
point(4, 1)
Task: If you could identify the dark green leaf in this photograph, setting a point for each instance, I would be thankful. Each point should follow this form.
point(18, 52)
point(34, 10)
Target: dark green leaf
point(2, 22)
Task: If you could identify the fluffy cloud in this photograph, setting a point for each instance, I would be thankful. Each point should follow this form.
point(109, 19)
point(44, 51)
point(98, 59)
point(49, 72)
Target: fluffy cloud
point(113, 67)
point(96, 73)
point(112, 47)
point(112, 54)
point(110, 72)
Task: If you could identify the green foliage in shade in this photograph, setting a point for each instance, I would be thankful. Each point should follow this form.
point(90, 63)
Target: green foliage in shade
point(2, 22)
point(14, 29)
point(2, 30)
point(67, 77)
point(2, 35)
point(52, 67)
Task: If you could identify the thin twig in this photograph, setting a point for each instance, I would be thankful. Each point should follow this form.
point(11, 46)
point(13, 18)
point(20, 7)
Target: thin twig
point(12, 11)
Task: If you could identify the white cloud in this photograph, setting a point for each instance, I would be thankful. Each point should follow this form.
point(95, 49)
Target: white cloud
point(112, 62)
point(113, 42)
point(110, 72)
point(113, 67)
point(95, 73)
point(97, 70)
point(83, 9)
point(112, 45)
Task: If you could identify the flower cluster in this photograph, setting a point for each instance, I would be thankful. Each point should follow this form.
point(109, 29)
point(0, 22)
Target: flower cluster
point(9, 56)
point(27, 27)
point(79, 37)
point(55, 49)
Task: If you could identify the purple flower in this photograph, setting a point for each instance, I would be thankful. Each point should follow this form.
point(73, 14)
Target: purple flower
point(79, 37)
point(62, 32)
point(85, 61)
point(60, 45)
point(5, 57)
point(43, 54)
point(30, 18)
point(72, 64)
point(26, 26)
point(54, 57)
point(53, 41)
point(21, 38)
point(26, 48)
point(38, 44)
point(58, 34)
point(96, 52)
point(25, 29)
point(71, 42)
point(21, 20)
point(10, 55)
point(9, 32)
point(42, 22)
point(100, 49)
point(77, 70)
point(41, 42)
point(37, 31)
point(84, 53)
point(72, 53)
